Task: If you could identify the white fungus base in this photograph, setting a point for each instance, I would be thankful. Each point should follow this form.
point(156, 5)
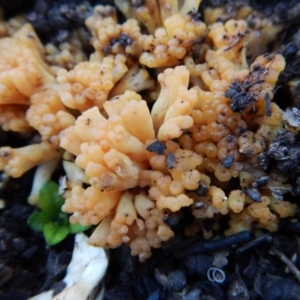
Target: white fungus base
point(84, 273)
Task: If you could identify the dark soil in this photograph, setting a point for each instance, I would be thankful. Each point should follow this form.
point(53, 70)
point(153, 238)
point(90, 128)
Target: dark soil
point(264, 268)
point(27, 265)
point(253, 269)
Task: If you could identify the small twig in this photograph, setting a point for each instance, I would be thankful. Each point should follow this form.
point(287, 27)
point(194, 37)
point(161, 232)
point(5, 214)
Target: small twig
point(268, 105)
point(279, 188)
point(247, 85)
point(267, 68)
point(240, 36)
point(288, 262)
point(254, 243)
point(277, 88)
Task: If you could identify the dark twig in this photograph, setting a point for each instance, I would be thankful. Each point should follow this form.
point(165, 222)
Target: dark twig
point(256, 242)
point(288, 262)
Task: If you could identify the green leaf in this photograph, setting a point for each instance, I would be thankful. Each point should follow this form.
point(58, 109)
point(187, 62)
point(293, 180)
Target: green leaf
point(49, 200)
point(76, 228)
point(38, 220)
point(55, 233)
point(62, 219)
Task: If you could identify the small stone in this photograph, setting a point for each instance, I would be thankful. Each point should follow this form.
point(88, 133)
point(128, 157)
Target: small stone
point(171, 160)
point(199, 264)
point(176, 281)
point(237, 290)
point(5, 274)
point(228, 161)
point(157, 147)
